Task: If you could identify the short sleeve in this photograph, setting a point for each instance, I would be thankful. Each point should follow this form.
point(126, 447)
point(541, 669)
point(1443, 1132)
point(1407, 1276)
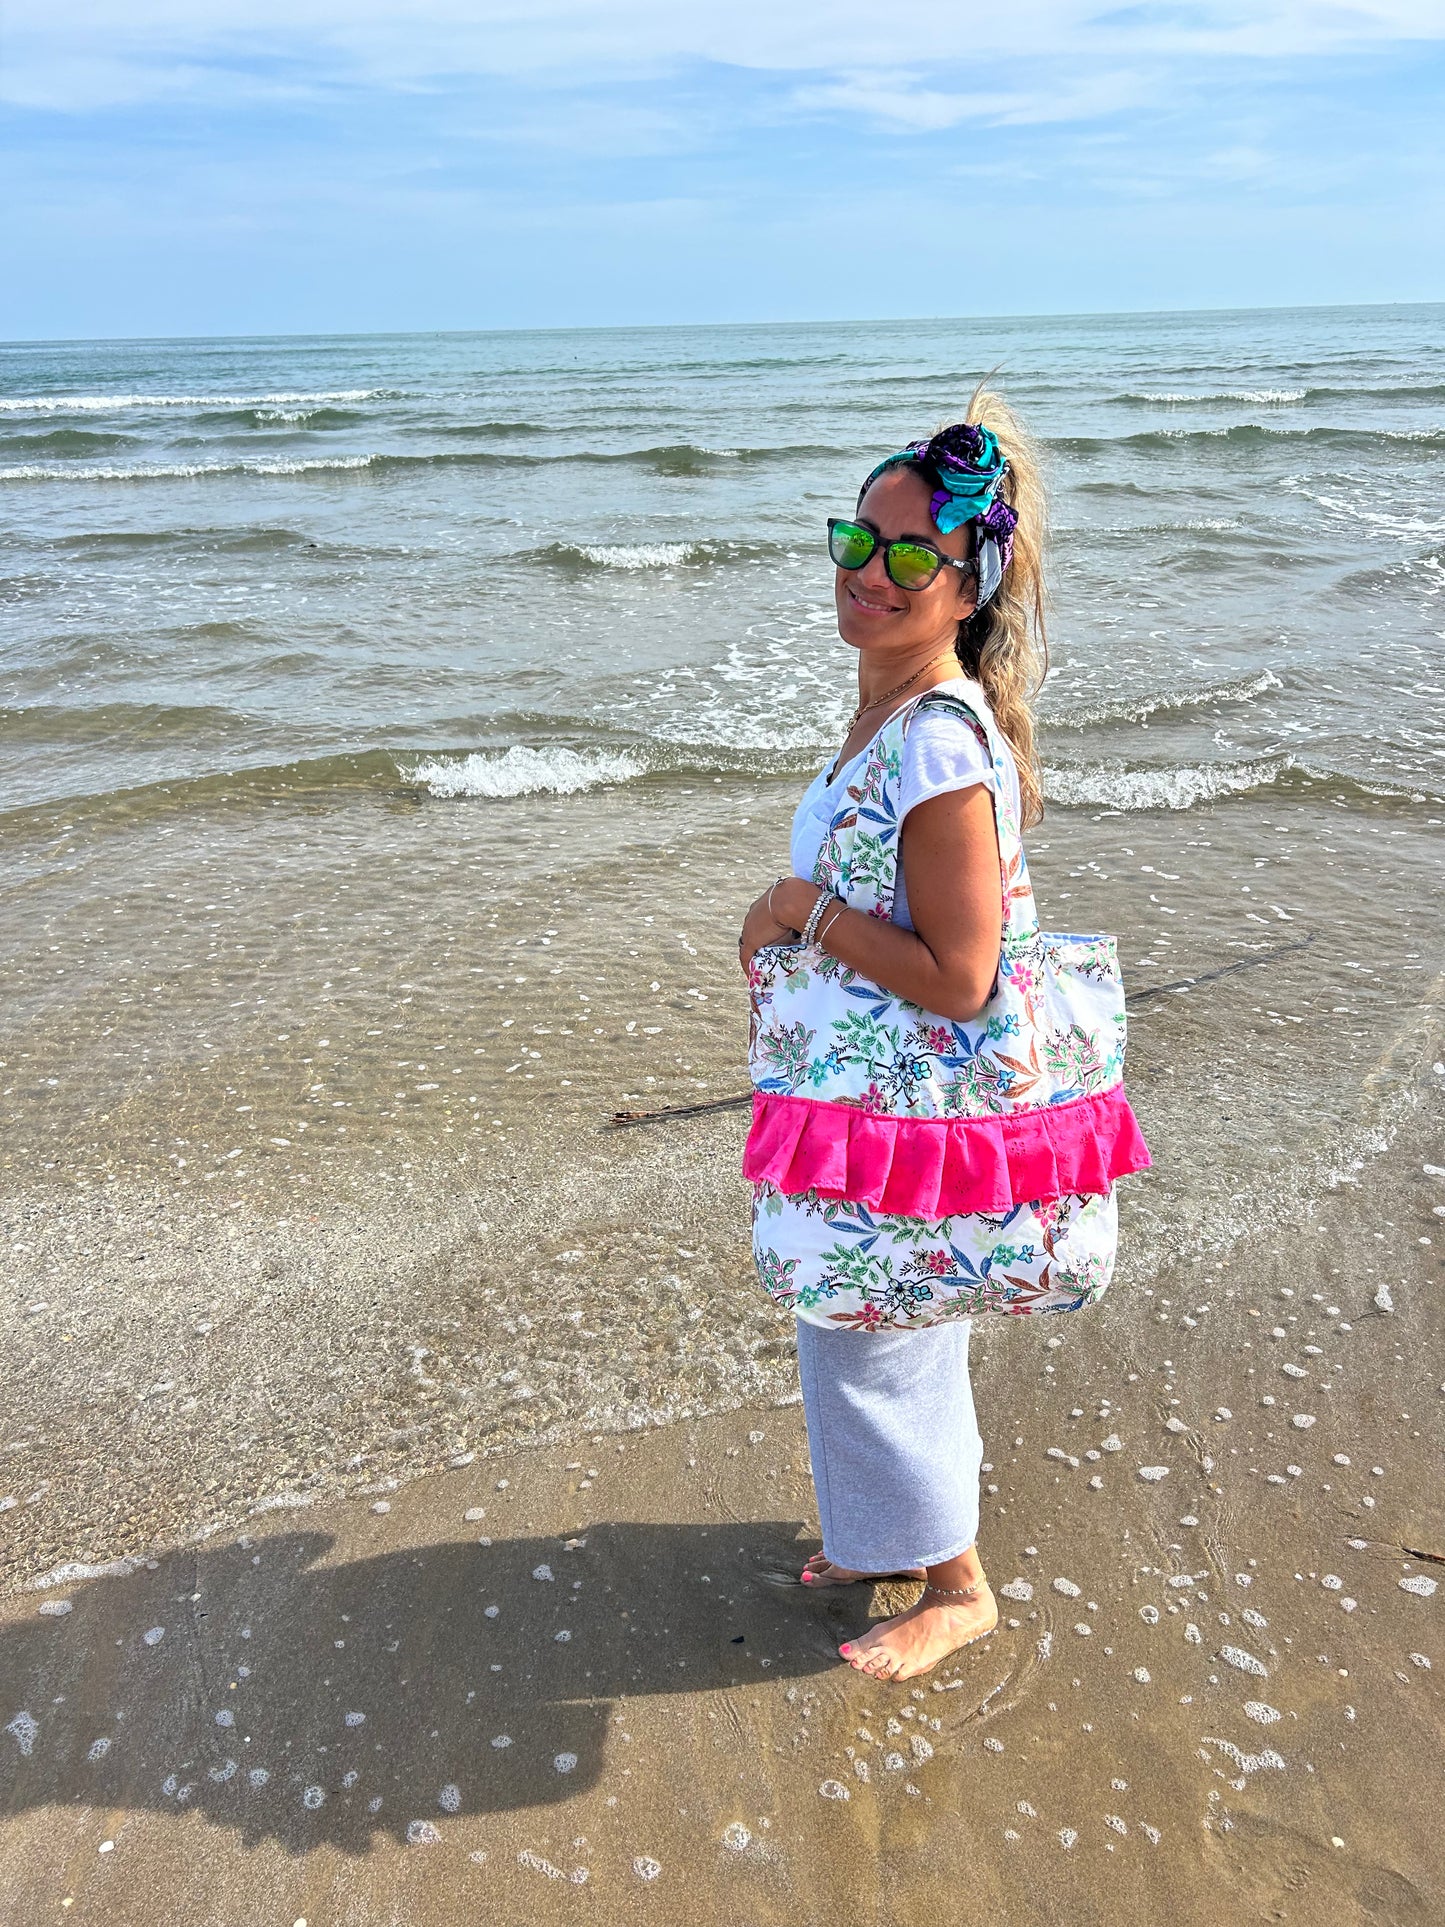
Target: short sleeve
point(941, 752)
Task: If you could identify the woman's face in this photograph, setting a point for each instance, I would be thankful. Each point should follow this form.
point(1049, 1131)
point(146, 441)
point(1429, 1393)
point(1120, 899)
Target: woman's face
point(874, 614)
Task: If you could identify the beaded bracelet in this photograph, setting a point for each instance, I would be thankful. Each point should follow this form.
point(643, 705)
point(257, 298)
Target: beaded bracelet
point(810, 928)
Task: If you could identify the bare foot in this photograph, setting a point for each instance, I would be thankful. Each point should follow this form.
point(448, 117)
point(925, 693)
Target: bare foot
point(914, 1641)
point(820, 1571)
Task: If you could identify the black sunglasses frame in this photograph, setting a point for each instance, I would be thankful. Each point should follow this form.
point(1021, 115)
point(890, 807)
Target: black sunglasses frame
point(969, 567)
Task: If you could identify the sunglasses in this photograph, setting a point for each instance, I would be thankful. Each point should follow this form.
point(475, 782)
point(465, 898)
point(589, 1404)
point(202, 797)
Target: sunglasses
point(910, 565)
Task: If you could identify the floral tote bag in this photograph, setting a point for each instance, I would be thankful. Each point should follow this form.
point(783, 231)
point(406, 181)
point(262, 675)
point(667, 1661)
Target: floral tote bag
point(877, 1119)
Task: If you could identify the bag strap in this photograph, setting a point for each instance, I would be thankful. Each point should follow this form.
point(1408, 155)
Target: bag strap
point(858, 858)
point(1020, 913)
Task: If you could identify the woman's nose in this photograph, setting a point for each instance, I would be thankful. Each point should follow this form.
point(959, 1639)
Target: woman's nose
point(874, 572)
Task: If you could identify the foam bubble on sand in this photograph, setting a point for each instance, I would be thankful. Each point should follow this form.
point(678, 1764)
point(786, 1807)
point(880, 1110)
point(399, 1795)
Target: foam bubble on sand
point(1266, 1761)
point(1067, 1588)
point(24, 1731)
point(526, 1858)
point(98, 1750)
point(1261, 1712)
point(313, 1798)
point(834, 1790)
point(1243, 1662)
point(450, 1799)
point(1418, 1584)
point(543, 1572)
point(73, 1571)
point(356, 1719)
point(736, 1836)
point(521, 771)
point(565, 1762)
point(1153, 1473)
point(55, 1608)
point(154, 1636)
point(502, 1740)
point(259, 1775)
point(645, 1867)
point(1018, 1589)
point(421, 1833)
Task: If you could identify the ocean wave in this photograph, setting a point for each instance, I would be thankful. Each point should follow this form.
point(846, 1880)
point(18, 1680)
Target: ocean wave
point(101, 404)
point(1116, 786)
point(181, 471)
point(1285, 397)
point(242, 540)
point(1404, 528)
point(1265, 397)
point(279, 417)
point(1242, 689)
point(676, 460)
point(64, 441)
point(1249, 435)
point(521, 771)
point(632, 557)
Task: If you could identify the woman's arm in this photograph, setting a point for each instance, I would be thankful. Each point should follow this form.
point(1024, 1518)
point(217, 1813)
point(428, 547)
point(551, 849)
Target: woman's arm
point(948, 961)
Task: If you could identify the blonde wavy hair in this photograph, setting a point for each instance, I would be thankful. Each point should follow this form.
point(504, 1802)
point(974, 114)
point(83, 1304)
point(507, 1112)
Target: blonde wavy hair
point(1005, 644)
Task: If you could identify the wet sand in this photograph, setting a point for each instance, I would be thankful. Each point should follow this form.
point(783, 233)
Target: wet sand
point(582, 1675)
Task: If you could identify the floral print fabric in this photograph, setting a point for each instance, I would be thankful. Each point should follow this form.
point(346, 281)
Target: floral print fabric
point(1052, 1032)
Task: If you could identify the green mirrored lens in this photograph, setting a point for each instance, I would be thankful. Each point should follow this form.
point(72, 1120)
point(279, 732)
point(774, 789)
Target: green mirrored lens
point(910, 565)
point(851, 546)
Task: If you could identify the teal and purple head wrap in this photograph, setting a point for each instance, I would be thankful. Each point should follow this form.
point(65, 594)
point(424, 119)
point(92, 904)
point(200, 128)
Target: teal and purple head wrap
point(967, 465)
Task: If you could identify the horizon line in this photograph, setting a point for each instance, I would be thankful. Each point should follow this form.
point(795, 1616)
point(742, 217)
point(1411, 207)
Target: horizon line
point(659, 327)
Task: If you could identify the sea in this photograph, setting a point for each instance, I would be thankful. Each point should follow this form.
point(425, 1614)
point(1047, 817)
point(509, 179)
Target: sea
point(393, 730)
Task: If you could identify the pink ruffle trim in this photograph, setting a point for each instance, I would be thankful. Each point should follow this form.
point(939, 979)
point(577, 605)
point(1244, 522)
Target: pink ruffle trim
point(934, 1167)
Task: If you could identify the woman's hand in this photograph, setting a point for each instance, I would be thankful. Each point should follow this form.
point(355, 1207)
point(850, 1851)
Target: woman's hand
point(761, 926)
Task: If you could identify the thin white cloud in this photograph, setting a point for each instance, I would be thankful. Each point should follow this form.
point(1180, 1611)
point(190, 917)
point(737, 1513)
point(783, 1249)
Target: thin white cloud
point(906, 102)
point(77, 54)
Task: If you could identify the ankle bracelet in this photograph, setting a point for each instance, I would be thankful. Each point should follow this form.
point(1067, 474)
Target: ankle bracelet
point(952, 1592)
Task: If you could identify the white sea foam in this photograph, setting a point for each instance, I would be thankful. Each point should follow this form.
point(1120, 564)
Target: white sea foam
point(639, 555)
point(1267, 396)
point(1243, 689)
point(1113, 786)
point(522, 771)
point(175, 471)
point(103, 404)
point(75, 1570)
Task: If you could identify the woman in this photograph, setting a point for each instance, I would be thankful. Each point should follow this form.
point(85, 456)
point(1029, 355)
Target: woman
point(898, 848)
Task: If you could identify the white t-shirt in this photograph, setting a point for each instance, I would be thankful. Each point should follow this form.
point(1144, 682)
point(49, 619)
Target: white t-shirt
point(940, 753)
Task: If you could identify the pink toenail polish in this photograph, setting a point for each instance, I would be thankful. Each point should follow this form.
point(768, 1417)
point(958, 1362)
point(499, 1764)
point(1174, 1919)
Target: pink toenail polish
point(845, 1649)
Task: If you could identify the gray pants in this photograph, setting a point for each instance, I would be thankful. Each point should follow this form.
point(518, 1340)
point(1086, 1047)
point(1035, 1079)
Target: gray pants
point(894, 1443)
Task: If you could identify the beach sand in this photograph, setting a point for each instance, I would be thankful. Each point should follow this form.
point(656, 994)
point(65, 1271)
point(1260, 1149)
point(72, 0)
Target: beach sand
point(582, 1675)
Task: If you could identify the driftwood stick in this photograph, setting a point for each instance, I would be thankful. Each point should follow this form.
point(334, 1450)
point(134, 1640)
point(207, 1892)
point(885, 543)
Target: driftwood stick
point(1224, 970)
point(621, 1120)
point(625, 1120)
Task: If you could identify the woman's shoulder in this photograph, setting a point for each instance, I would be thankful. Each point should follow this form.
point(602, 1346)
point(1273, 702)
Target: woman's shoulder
point(953, 724)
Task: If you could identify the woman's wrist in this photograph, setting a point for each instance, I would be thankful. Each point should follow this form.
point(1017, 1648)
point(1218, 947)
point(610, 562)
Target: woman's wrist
point(793, 899)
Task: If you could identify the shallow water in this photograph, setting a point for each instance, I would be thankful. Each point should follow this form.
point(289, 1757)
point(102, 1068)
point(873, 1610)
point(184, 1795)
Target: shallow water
point(394, 729)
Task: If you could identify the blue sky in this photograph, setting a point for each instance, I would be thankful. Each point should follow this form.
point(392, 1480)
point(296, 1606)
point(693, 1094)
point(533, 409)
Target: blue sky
point(275, 166)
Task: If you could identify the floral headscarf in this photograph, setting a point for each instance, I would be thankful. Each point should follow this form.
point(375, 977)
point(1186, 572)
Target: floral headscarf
point(967, 465)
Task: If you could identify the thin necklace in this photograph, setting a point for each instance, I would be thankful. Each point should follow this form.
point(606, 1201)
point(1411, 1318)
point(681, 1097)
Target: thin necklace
point(897, 690)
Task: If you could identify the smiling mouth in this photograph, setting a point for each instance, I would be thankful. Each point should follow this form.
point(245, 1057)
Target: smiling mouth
point(874, 608)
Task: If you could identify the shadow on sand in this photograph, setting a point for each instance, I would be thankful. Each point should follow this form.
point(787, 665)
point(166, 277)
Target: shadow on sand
point(316, 1703)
